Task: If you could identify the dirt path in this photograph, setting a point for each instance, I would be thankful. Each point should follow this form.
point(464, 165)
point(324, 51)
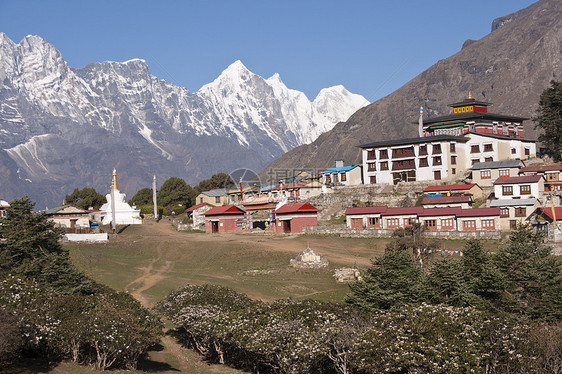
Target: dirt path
point(172, 355)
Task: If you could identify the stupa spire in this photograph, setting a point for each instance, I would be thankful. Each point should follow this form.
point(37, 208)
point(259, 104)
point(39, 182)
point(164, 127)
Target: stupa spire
point(114, 183)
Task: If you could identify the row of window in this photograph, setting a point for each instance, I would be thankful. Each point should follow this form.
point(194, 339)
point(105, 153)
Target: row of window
point(431, 224)
point(476, 148)
point(519, 212)
point(407, 152)
point(524, 189)
point(342, 178)
point(409, 164)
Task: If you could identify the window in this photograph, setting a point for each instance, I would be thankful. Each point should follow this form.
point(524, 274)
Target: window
point(423, 162)
point(437, 175)
point(525, 189)
point(431, 224)
point(2, 213)
point(447, 223)
point(328, 179)
point(551, 177)
point(507, 190)
point(488, 224)
point(488, 148)
point(403, 152)
point(384, 165)
point(200, 200)
point(453, 147)
point(436, 149)
point(485, 174)
point(469, 225)
point(488, 159)
point(373, 179)
point(475, 148)
point(504, 212)
point(371, 155)
point(437, 160)
point(475, 160)
point(403, 164)
point(504, 173)
point(393, 222)
point(409, 221)
point(423, 150)
point(374, 221)
point(343, 177)
point(453, 171)
point(372, 167)
point(217, 199)
point(513, 151)
point(383, 153)
point(453, 160)
point(527, 152)
point(521, 212)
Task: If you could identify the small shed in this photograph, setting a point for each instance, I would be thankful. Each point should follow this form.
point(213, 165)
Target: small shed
point(69, 217)
point(3, 206)
point(222, 219)
point(196, 213)
point(291, 218)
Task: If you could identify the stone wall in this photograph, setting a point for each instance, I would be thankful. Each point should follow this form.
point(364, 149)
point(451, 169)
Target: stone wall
point(342, 230)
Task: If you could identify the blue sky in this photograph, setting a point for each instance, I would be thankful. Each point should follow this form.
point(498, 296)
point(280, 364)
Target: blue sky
point(371, 47)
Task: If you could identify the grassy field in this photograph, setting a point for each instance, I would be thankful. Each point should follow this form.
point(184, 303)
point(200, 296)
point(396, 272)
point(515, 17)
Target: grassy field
point(151, 260)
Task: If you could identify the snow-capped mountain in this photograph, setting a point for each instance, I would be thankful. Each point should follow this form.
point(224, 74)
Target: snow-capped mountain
point(63, 127)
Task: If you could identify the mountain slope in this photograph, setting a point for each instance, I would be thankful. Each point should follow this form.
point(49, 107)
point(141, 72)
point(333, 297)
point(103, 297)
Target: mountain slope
point(62, 127)
point(509, 67)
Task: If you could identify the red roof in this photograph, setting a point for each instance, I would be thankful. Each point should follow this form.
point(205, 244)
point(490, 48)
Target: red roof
point(450, 187)
point(446, 199)
point(479, 212)
point(296, 208)
point(540, 168)
point(223, 210)
point(557, 210)
point(195, 207)
point(365, 210)
point(451, 211)
point(402, 211)
point(516, 180)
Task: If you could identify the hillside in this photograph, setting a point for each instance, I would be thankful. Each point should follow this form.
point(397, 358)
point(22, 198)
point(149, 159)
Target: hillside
point(509, 67)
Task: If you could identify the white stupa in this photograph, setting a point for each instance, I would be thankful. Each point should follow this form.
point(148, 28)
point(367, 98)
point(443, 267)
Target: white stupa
point(124, 213)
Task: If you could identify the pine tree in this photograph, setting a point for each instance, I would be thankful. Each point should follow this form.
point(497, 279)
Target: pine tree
point(549, 118)
point(30, 247)
point(391, 281)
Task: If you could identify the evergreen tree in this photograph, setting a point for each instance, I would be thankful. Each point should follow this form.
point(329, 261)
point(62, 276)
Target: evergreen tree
point(549, 118)
point(174, 191)
point(533, 276)
point(30, 247)
point(391, 281)
point(142, 197)
point(85, 198)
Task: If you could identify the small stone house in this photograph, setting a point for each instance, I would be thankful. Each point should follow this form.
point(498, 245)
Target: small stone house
point(454, 189)
point(514, 211)
point(343, 175)
point(218, 196)
point(223, 219)
point(525, 186)
point(485, 173)
point(552, 175)
point(69, 217)
point(291, 218)
point(196, 213)
point(478, 219)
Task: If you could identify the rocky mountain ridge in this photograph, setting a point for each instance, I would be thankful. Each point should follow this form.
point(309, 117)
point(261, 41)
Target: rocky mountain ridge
point(64, 127)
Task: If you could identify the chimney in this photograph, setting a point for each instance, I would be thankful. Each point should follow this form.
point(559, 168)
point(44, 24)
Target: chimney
point(339, 163)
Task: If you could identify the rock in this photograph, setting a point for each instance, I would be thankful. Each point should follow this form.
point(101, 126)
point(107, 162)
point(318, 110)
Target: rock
point(345, 275)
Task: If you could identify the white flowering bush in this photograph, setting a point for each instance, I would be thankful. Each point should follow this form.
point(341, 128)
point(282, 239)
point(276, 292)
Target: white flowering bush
point(106, 329)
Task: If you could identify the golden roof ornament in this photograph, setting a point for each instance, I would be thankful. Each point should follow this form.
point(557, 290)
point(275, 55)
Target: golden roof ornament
point(114, 179)
point(469, 95)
